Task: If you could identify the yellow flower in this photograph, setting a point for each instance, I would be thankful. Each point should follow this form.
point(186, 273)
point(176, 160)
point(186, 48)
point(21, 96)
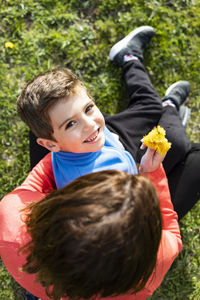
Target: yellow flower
point(9, 45)
point(156, 139)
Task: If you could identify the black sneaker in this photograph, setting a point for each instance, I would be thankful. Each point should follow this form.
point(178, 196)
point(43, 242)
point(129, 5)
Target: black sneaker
point(178, 93)
point(184, 114)
point(134, 43)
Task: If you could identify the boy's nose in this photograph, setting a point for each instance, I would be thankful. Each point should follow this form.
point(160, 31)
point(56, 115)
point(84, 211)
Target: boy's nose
point(89, 124)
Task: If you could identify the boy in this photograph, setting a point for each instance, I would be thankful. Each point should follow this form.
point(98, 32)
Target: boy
point(63, 116)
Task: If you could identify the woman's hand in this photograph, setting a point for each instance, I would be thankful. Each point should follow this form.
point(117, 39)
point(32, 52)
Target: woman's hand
point(150, 160)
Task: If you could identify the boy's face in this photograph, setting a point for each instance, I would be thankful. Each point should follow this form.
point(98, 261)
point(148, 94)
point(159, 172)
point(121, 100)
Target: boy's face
point(77, 123)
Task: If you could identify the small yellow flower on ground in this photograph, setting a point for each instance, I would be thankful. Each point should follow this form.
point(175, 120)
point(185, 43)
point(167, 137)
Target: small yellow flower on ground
point(156, 139)
point(9, 45)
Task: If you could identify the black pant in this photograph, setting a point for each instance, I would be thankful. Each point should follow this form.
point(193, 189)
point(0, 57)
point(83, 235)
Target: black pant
point(143, 112)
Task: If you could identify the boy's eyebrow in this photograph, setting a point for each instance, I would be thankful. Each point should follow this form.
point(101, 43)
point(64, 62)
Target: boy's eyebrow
point(65, 121)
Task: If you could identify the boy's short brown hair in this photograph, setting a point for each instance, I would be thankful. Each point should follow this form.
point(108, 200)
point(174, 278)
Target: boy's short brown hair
point(97, 236)
point(40, 94)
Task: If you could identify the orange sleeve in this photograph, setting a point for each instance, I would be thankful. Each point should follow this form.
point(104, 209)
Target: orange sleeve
point(170, 244)
point(169, 216)
point(41, 178)
point(13, 235)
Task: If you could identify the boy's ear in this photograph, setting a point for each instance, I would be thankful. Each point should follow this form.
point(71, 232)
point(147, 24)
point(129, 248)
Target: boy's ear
point(48, 144)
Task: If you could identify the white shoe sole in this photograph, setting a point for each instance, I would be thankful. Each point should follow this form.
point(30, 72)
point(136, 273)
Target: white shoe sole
point(168, 91)
point(123, 43)
point(171, 87)
point(186, 118)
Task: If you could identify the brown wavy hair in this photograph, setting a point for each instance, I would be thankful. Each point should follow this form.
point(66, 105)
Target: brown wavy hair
point(97, 236)
point(40, 94)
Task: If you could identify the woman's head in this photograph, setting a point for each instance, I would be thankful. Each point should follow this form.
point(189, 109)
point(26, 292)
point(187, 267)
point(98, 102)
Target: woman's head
point(97, 236)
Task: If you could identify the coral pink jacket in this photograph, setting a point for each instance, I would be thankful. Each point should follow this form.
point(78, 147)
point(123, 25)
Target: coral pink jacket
point(40, 182)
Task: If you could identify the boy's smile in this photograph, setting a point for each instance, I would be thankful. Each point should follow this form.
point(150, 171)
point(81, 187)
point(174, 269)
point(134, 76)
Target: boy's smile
point(77, 123)
point(93, 137)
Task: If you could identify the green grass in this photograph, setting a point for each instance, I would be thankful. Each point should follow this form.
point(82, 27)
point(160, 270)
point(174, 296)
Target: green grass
point(79, 34)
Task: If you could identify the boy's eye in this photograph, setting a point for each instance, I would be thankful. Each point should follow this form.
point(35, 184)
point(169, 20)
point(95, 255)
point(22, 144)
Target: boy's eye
point(89, 107)
point(70, 124)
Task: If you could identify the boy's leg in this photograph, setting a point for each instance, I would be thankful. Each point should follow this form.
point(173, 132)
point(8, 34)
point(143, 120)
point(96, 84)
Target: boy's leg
point(182, 161)
point(169, 119)
point(175, 133)
point(184, 182)
point(175, 96)
point(142, 113)
point(145, 107)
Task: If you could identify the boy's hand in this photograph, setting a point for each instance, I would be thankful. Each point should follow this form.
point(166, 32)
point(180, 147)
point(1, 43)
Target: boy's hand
point(150, 160)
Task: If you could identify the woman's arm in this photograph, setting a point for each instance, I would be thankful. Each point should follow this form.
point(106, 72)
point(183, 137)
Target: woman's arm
point(13, 235)
point(41, 178)
point(170, 244)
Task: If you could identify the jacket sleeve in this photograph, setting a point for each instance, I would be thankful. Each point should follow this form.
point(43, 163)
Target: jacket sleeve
point(170, 244)
point(13, 235)
point(41, 178)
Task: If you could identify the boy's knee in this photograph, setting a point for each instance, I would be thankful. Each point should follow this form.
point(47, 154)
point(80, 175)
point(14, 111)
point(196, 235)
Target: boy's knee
point(180, 148)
